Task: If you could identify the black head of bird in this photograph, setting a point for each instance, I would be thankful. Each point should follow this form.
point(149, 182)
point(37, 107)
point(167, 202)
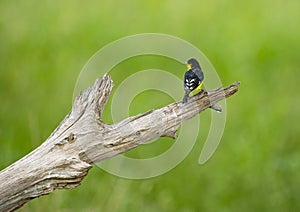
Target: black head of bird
point(192, 63)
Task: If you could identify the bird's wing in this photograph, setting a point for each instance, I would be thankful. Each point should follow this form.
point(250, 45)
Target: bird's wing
point(199, 73)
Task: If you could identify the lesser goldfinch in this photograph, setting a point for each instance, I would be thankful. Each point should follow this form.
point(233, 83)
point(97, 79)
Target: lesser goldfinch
point(193, 78)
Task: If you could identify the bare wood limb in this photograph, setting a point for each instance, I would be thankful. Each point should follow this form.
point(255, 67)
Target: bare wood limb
point(82, 139)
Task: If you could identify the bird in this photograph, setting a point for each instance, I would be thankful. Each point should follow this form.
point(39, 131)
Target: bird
point(193, 78)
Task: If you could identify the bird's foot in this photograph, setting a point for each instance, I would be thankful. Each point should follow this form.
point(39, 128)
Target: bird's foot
point(203, 92)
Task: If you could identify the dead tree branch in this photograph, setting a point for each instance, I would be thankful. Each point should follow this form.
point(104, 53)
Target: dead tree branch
point(82, 139)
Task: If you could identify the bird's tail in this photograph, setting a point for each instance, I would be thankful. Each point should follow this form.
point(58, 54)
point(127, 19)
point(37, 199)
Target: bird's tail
point(185, 98)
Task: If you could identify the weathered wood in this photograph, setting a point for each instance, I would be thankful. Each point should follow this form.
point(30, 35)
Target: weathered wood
point(82, 139)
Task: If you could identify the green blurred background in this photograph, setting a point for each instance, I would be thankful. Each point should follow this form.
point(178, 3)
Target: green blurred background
point(44, 45)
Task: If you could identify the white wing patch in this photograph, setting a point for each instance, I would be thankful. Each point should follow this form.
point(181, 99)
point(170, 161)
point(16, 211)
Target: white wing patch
point(189, 83)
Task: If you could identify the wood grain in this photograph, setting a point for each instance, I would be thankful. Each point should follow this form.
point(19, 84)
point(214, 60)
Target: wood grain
point(81, 139)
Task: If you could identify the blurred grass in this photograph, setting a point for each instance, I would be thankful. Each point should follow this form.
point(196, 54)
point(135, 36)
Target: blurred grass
point(45, 44)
